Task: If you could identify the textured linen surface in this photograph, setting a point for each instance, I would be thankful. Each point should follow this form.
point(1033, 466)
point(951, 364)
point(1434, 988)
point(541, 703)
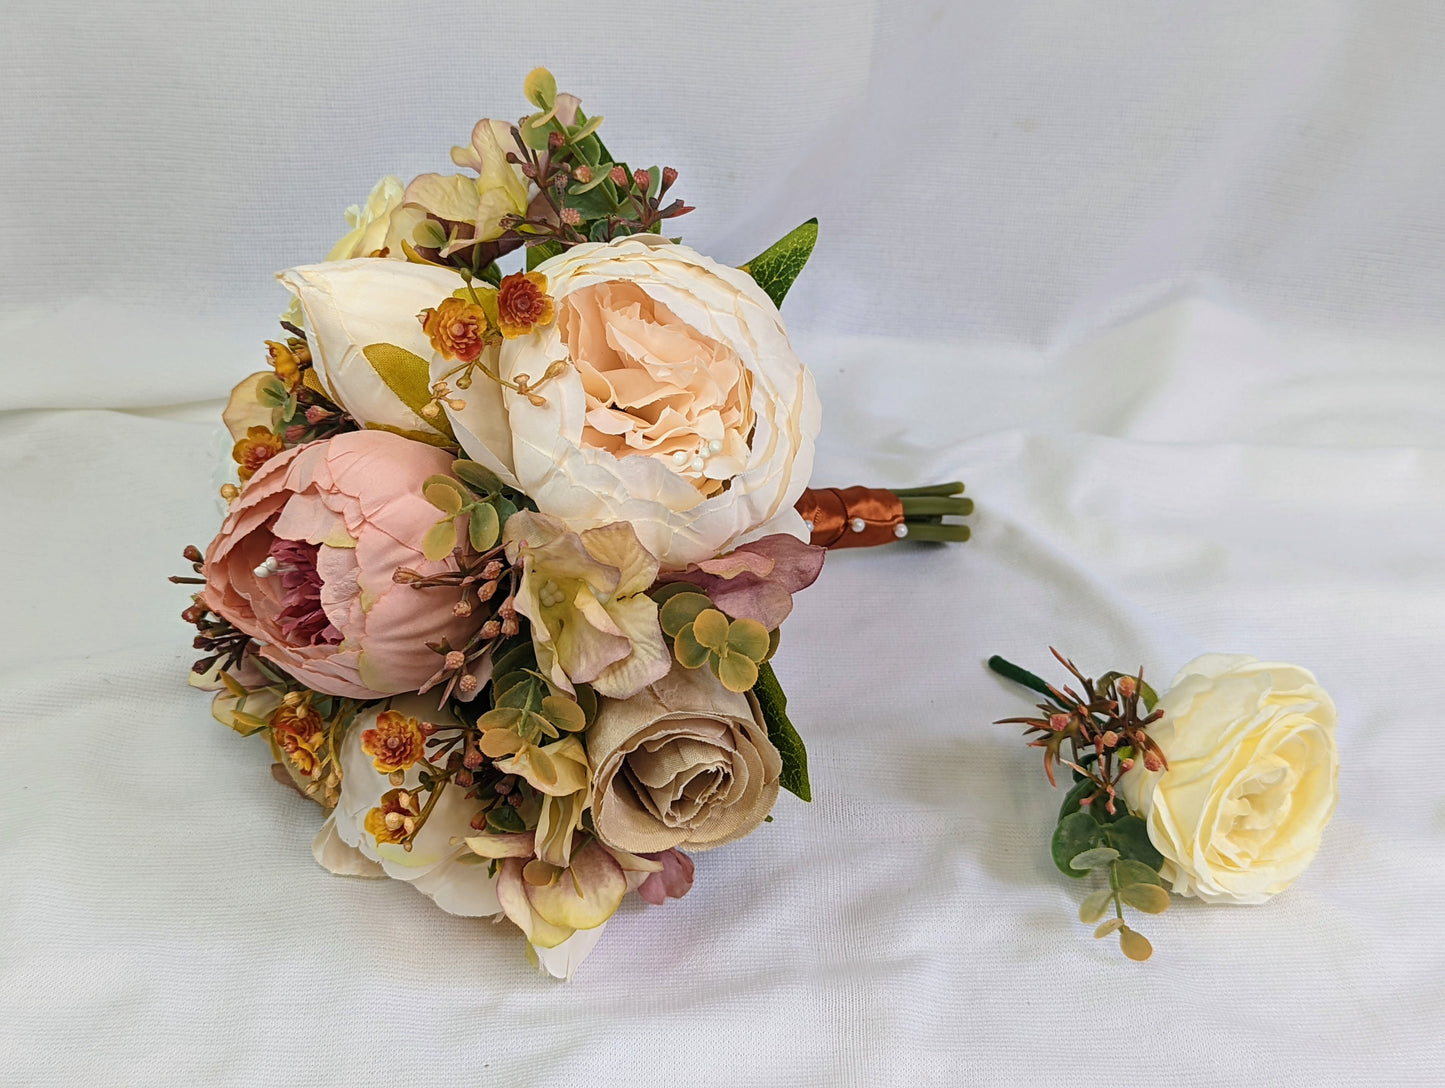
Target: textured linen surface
point(1160, 281)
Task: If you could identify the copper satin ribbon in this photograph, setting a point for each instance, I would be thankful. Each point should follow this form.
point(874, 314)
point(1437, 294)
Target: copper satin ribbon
point(851, 517)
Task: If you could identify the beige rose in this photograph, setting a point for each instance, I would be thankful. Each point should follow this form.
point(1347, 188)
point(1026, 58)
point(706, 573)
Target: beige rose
point(683, 763)
point(1251, 780)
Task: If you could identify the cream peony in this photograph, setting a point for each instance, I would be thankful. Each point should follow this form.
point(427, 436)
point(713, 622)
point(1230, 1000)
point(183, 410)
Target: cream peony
point(349, 306)
point(684, 763)
point(684, 411)
point(379, 226)
point(1251, 780)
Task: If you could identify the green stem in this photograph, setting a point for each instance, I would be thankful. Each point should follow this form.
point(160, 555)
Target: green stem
point(1019, 676)
point(935, 506)
point(923, 530)
point(955, 488)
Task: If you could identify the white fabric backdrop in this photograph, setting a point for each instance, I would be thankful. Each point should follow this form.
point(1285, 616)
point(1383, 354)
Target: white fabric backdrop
point(1162, 285)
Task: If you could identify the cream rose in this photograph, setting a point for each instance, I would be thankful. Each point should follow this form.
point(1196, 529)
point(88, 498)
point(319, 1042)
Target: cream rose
point(350, 306)
point(1251, 780)
point(683, 409)
point(683, 763)
point(379, 226)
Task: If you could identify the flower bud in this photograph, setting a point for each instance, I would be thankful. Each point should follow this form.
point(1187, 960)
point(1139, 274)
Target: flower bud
point(467, 684)
point(193, 554)
point(455, 659)
point(1127, 685)
point(642, 178)
point(583, 174)
point(555, 140)
point(619, 177)
point(462, 609)
point(669, 175)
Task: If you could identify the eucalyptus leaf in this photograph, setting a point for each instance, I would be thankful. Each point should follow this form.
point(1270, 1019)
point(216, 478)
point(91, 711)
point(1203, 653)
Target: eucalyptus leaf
point(778, 266)
point(1128, 871)
point(1092, 859)
point(540, 88)
point(1135, 945)
point(1108, 927)
point(1076, 833)
point(483, 527)
point(1150, 898)
point(444, 493)
point(440, 540)
point(1094, 905)
point(772, 707)
point(479, 478)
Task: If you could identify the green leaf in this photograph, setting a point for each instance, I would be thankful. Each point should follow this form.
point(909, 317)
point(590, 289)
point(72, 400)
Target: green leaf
point(540, 88)
point(773, 709)
point(539, 253)
point(690, 653)
point(505, 819)
point(479, 478)
point(1134, 945)
point(749, 638)
point(1092, 859)
point(737, 673)
point(1149, 695)
point(1108, 927)
point(1128, 871)
point(407, 375)
point(444, 493)
point(1076, 833)
point(778, 266)
point(483, 527)
point(1094, 905)
point(681, 609)
point(1130, 836)
point(592, 201)
point(1150, 898)
point(439, 540)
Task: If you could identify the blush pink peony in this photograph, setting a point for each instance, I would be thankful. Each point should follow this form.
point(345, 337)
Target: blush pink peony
point(338, 517)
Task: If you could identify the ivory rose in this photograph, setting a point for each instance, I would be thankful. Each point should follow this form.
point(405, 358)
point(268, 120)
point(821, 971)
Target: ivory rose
point(336, 519)
point(1250, 781)
point(684, 410)
point(683, 763)
point(350, 306)
point(379, 226)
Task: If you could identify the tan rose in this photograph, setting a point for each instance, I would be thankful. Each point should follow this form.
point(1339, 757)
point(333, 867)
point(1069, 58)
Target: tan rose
point(685, 762)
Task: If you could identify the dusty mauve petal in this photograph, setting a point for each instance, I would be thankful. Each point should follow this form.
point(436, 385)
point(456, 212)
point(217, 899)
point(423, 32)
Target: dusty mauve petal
point(673, 882)
point(757, 580)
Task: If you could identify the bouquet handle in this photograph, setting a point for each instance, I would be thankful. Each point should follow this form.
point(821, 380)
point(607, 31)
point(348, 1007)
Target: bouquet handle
point(864, 517)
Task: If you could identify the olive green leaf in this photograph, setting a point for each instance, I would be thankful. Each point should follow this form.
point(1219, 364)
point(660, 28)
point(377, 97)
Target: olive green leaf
point(479, 478)
point(1150, 898)
point(1094, 905)
point(1108, 927)
point(1135, 945)
point(440, 540)
point(540, 88)
point(772, 707)
point(407, 375)
point(444, 493)
point(483, 527)
point(778, 266)
point(1128, 871)
point(1092, 859)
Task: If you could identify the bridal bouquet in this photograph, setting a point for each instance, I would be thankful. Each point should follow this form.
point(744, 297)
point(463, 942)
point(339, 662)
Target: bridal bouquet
point(507, 554)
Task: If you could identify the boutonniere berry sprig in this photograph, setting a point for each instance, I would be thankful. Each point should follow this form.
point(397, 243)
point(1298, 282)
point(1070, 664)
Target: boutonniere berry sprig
point(1219, 789)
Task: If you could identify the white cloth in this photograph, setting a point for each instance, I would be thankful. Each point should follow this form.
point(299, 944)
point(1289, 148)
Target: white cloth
point(1161, 282)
